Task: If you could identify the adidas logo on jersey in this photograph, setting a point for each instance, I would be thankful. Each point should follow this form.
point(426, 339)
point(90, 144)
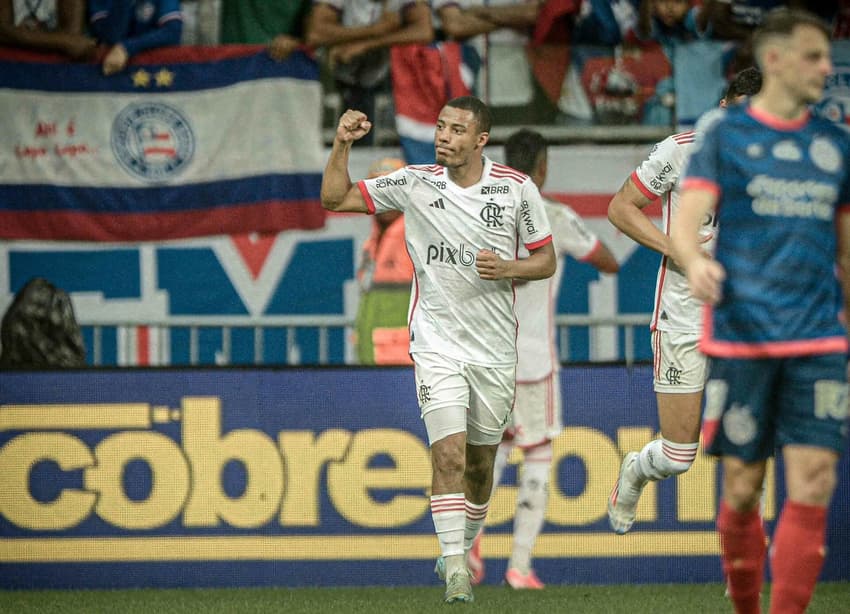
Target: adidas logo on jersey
point(437, 204)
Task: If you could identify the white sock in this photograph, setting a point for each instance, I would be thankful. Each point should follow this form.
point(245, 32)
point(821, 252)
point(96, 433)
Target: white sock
point(476, 514)
point(449, 515)
point(531, 504)
point(661, 458)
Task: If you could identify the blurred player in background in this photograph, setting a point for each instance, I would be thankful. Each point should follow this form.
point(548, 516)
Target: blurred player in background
point(779, 180)
point(536, 419)
point(384, 276)
point(678, 367)
point(465, 219)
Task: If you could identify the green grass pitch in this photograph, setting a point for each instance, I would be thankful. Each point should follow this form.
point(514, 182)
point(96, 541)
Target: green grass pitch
point(830, 598)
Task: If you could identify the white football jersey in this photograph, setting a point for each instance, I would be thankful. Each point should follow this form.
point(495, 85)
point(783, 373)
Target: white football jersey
point(452, 310)
point(674, 308)
point(535, 300)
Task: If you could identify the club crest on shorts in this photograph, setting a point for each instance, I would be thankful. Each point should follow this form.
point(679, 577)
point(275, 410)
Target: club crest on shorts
point(739, 424)
point(152, 141)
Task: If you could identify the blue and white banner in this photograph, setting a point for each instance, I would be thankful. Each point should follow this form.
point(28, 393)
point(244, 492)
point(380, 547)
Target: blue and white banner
point(185, 142)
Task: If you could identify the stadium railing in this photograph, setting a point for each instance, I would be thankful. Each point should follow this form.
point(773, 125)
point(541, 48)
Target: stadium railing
point(323, 324)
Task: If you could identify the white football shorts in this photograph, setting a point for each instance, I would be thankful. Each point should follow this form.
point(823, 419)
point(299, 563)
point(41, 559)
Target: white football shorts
point(456, 397)
point(678, 366)
point(537, 412)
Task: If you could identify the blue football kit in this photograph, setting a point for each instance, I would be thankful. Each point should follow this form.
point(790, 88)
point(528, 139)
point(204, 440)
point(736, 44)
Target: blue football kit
point(776, 338)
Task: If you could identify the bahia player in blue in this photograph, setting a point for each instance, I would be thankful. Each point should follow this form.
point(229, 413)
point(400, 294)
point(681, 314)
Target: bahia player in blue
point(796, 173)
point(778, 295)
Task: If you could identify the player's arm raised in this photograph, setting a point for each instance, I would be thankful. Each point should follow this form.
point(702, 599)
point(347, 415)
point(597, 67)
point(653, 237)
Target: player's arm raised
point(338, 193)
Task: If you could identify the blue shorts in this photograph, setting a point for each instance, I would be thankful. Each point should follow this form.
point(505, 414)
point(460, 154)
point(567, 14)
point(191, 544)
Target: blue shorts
point(754, 406)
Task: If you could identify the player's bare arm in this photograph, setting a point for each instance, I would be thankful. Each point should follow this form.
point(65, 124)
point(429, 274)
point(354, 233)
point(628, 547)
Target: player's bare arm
point(603, 260)
point(704, 274)
point(540, 264)
point(625, 211)
point(338, 193)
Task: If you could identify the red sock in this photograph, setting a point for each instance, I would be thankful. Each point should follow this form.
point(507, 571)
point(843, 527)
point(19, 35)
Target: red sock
point(797, 556)
point(742, 552)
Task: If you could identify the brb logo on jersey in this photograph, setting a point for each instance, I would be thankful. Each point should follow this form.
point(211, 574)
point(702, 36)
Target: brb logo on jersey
point(461, 254)
point(492, 215)
point(152, 141)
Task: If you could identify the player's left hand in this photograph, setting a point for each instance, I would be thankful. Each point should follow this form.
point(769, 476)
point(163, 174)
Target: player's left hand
point(490, 266)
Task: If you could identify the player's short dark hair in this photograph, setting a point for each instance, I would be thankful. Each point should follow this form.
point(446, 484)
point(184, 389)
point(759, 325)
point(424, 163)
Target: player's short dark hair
point(745, 83)
point(481, 111)
point(782, 22)
point(523, 149)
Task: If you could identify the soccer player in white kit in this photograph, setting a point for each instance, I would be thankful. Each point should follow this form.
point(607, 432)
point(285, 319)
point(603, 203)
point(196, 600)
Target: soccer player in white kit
point(679, 369)
point(466, 218)
point(537, 416)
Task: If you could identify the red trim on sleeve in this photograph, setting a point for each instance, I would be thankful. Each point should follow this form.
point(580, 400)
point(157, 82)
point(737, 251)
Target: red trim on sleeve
point(704, 185)
point(844, 208)
point(589, 256)
point(643, 189)
point(540, 243)
point(364, 191)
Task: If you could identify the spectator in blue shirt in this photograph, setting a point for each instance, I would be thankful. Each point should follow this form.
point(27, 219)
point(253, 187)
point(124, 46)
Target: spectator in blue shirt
point(129, 27)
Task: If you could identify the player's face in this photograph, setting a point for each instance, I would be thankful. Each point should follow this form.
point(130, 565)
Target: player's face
point(805, 63)
point(457, 138)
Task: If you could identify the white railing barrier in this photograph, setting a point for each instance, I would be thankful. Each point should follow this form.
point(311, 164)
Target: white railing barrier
point(323, 324)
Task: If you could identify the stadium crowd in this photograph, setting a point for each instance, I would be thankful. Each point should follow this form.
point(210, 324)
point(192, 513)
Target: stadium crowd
point(567, 62)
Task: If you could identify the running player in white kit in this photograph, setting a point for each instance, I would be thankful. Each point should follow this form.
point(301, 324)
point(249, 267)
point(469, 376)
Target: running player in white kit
point(679, 369)
point(537, 417)
point(465, 220)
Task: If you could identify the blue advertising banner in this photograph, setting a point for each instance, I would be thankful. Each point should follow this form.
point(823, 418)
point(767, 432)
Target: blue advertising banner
point(158, 478)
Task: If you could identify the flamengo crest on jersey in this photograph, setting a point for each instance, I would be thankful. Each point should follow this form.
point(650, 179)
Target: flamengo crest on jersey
point(674, 308)
point(452, 310)
point(780, 185)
